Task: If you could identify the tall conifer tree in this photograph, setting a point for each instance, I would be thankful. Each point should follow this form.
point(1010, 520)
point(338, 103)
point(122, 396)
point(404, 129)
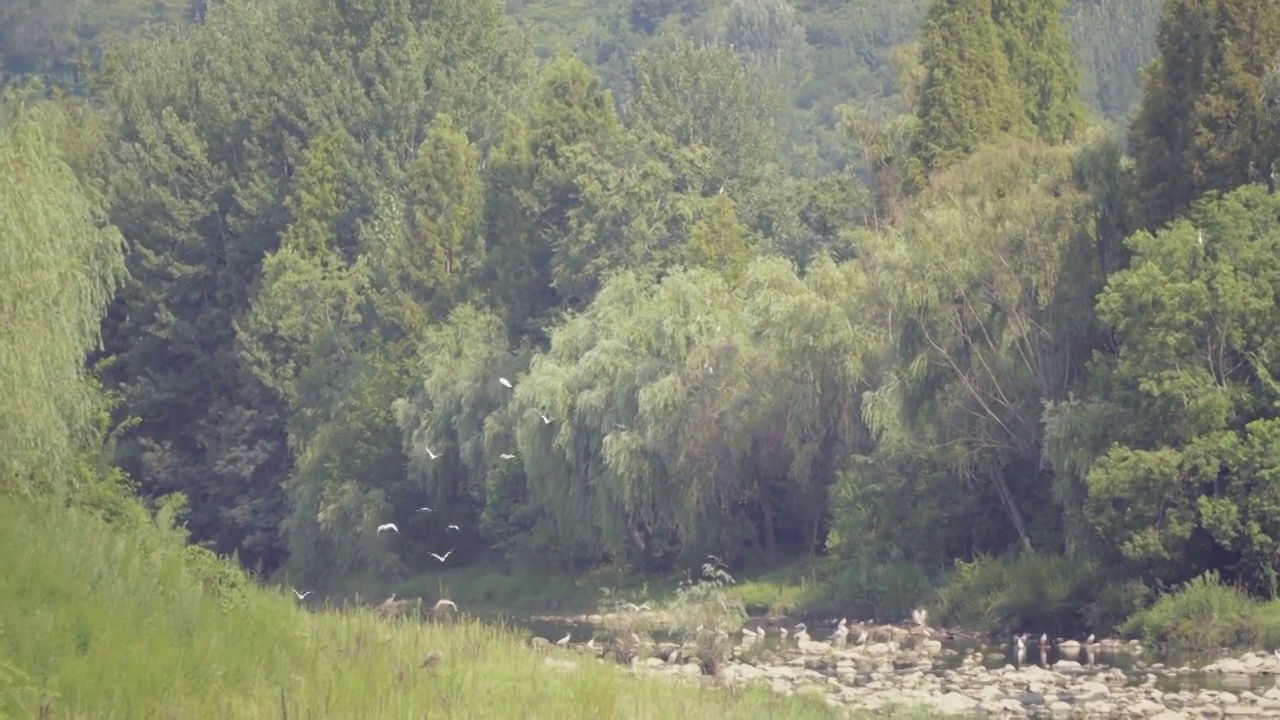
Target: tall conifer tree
point(967, 97)
point(1041, 65)
point(1203, 122)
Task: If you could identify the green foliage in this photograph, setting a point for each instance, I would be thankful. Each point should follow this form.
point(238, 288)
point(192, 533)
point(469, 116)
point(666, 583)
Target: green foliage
point(209, 175)
point(706, 96)
point(1041, 65)
point(1206, 614)
point(1192, 315)
point(1203, 124)
point(60, 264)
point(968, 96)
point(1031, 591)
point(102, 619)
point(1112, 43)
point(768, 280)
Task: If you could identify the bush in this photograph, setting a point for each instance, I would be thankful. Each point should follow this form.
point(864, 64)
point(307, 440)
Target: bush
point(1033, 593)
point(1206, 614)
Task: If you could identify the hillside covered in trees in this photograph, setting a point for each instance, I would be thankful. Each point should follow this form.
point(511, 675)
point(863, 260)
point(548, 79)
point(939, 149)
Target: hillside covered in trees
point(909, 287)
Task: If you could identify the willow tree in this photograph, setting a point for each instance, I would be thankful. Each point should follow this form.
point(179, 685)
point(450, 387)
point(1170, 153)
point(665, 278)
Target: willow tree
point(443, 422)
point(592, 470)
point(60, 264)
point(988, 302)
point(806, 393)
point(689, 415)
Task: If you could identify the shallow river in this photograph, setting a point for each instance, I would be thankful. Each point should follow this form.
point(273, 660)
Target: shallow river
point(1136, 667)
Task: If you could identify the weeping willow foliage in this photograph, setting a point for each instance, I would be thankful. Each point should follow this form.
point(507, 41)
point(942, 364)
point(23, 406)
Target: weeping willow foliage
point(983, 284)
point(460, 363)
point(59, 267)
point(684, 414)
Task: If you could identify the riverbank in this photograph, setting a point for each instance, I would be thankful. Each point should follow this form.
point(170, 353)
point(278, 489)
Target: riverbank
point(1034, 594)
point(794, 587)
point(122, 620)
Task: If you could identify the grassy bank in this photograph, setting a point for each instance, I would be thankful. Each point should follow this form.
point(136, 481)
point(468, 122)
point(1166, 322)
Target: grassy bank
point(519, 590)
point(794, 586)
point(1028, 593)
point(125, 622)
point(1206, 614)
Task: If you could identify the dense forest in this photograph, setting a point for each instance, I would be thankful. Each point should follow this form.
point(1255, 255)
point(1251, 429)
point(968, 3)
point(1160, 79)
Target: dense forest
point(900, 285)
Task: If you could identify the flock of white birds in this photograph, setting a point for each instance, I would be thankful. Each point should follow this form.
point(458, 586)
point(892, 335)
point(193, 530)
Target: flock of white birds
point(392, 527)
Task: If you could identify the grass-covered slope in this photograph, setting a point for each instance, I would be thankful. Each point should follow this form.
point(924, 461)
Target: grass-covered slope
point(123, 621)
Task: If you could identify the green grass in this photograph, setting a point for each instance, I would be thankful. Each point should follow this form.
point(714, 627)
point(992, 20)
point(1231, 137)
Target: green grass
point(791, 588)
point(1206, 614)
point(1034, 592)
point(125, 622)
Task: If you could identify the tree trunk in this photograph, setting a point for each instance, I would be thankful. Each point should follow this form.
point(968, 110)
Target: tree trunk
point(770, 534)
point(1011, 507)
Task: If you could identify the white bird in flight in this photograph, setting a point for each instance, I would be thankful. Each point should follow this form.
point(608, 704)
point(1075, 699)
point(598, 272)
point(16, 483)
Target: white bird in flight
point(432, 455)
point(505, 382)
point(506, 456)
point(442, 558)
point(387, 526)
point(301, 596)
point(455, 528)
point(424, 509)
point(546, 420)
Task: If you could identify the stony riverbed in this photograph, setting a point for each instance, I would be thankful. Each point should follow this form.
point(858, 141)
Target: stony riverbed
point(1109, 679)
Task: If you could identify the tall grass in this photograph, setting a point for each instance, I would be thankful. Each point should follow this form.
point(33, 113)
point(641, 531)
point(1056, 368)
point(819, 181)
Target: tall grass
point(1034, 592)
point(126, 622)
point(1206, 614)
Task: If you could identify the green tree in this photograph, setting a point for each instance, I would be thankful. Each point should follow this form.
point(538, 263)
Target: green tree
point(442, 245)
point(60, 264)
point(1041, 64)
point(968, 96)
point(1193, 316)
point(198, 163)
point(705, 95)
point(987, 306)
point(1203, 124)
point(719, 241)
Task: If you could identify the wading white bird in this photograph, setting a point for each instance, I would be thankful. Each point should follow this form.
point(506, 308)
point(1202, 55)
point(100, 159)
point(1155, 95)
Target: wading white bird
point(546, 420)
point(506, 456)
point(505, 382)
point(564, 641)
point(443, 603)
point(387, 526)
point(443, 557)
point(432, 455)
point(454, 528)
point(301, 596)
